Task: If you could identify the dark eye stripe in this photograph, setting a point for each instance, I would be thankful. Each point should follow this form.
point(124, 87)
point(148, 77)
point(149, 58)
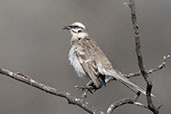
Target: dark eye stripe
point(75, 26)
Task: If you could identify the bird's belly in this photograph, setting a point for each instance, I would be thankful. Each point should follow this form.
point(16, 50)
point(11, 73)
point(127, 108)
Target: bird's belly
point(76, 64)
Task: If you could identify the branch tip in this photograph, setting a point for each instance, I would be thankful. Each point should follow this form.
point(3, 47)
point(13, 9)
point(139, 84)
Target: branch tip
point(158, 108)
point(166, 57)
point(126, 4)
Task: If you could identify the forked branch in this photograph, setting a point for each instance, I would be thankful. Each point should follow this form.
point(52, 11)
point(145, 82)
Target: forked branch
point(151, 106)
point(70, 98)
point(82, 103)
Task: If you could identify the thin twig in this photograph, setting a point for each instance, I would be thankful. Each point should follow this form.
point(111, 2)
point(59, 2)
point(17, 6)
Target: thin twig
point(125, 101)
point(140, 58)
point(70, 98)
point(161, 66)
point(135, 74)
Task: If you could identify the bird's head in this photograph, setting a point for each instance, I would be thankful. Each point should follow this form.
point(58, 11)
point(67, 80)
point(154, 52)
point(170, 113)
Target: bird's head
point(76, 29)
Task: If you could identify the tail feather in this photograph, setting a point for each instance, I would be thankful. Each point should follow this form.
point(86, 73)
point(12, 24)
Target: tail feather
point(119, 76)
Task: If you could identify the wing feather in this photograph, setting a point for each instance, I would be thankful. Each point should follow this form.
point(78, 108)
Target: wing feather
point(95, 63)
point(87, 58)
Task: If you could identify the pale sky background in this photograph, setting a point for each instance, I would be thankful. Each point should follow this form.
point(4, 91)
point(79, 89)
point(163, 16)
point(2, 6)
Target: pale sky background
point(32, 42)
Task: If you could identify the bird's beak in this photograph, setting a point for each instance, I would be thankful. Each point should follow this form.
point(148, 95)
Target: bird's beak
point(66, 28)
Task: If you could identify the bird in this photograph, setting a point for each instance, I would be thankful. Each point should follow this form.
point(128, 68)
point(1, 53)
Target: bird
point(89, 61)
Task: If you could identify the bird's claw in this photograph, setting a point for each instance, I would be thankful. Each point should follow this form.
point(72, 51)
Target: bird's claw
point(86, 89)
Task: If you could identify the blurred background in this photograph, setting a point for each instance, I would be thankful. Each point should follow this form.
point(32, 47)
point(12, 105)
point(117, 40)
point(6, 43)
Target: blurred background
point(32, 42)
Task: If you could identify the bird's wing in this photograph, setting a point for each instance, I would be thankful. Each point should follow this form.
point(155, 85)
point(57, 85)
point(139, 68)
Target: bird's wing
point(86, 56)
point(104, 67)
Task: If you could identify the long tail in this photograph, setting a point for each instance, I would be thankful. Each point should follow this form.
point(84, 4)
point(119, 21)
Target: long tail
point(119, 76)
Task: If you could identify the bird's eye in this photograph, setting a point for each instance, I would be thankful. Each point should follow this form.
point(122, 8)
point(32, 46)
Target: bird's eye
point(79, 31)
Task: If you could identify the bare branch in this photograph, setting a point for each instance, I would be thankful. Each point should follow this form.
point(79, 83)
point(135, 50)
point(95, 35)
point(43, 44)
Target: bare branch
point(80, 101)
point(140, 58)
point(125, 101)
point(161, 66)
point(135, 74)
point(70, 98)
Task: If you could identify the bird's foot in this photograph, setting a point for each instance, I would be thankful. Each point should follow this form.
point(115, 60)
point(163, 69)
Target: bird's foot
point(86, 89)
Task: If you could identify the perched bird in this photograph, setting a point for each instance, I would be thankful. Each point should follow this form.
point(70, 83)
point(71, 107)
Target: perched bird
point(89, 60)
